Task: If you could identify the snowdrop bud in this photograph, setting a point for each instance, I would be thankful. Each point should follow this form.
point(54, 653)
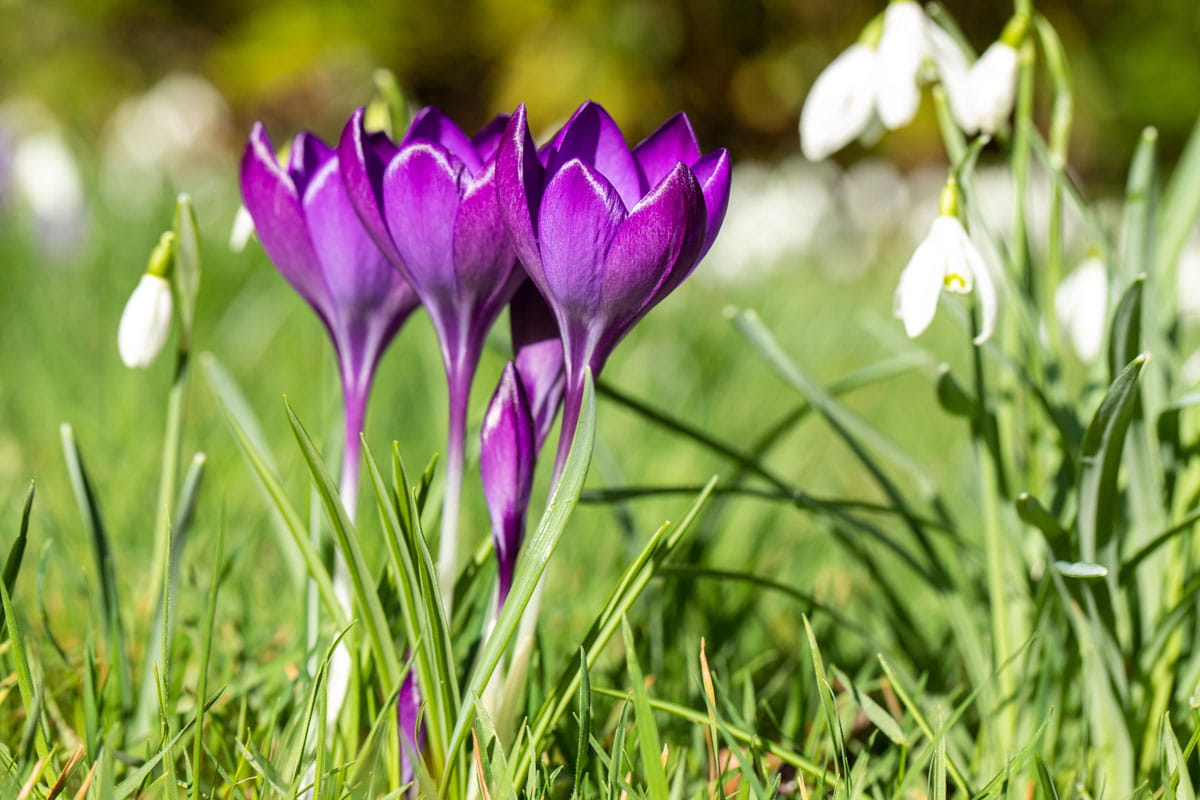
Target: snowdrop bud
point(946, 260)
point(841, 102)
point(146, 320)
point(903, 47)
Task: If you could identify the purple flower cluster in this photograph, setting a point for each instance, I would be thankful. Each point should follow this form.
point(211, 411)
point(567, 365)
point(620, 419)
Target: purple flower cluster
point(579, 239)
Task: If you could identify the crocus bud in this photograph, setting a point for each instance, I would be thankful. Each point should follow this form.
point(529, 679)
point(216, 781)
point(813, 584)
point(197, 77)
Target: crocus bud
point(945, 260)
point(538, 353)
point(506, 462)
point(146, 320)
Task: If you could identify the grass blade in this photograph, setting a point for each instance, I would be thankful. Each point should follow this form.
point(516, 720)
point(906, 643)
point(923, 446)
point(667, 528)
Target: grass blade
point(16, 553)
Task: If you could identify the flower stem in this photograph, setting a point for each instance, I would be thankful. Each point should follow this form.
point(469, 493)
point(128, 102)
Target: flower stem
point(459, 375)
point(572, 401)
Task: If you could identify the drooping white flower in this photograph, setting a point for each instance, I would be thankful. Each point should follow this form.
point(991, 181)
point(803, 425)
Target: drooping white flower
point(146, 321)
point(1081, 303)
point(839, 105)
point(992, 86)
point(946, 260)
point(903, 47)
point(981, 95)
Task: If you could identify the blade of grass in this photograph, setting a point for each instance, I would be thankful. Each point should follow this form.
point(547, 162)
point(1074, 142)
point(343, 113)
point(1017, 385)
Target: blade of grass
point(643, 718)
point(12, 564)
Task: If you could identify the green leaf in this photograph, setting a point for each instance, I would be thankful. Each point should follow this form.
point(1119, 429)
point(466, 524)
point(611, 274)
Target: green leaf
point(346, 537)
point(648, 742)
point(952, 397)
point(1180, 208)
point(1125, 333)
point(186, 275)
point(585, 725)
point(1141, 203)
point(531, 563)
point(879, 716)
point(12, 564)
point(1100, 460)
point(1031, 511)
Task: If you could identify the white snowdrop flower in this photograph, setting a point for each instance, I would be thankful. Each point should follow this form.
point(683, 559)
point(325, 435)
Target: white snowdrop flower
point(1081, 303)
point(241, 230)
point(981, 95)
point(946, 260)
point(903, 47)
point(146, 320)
point(992, 84)
point(840, 104)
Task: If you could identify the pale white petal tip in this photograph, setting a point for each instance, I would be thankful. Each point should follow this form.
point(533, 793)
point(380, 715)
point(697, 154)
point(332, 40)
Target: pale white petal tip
point(145, 322)
point(241, 230)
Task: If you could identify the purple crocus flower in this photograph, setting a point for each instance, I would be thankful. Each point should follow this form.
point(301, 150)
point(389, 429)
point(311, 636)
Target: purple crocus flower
point(538, 353)
point(605, 232)
point(309, 229)
point(507, 453)
point(431, 205)
point(412, 732)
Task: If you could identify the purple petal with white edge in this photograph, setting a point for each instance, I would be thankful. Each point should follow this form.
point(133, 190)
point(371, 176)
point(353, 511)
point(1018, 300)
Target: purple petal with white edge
point(519, 184)
point(483, 258)
point(306, 155)
point(279, 221)
point(580, 214)
point(408, 714)
point(362, 159)
point(369, 299)
point(432, 125)
point(673, 143)
point(506, 464)
point(714, 171)
point(420, 202)
point(594, 138)
point(538, 352)
point(487, 141)
point(654, 249)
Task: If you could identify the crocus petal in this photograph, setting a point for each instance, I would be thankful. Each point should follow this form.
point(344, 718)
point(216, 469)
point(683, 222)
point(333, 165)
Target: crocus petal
point(538, 353)
point(369, 299)
point(506, 463)
point(840, 103)
point(673, 143)
point(579, 217)
point(903, 45)
point(487, 140)
point(408, 713)
point(420, 201)
point(592, 136)
point(484, 260)
point(305, 157)
point(921, 284)
point(279, 220)
point(519, 176)
point(363, 158)
point(431, 125)
point(655, 248)
point(714, 171)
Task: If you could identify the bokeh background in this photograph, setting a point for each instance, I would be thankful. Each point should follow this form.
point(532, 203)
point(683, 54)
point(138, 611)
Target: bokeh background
point(108, 108)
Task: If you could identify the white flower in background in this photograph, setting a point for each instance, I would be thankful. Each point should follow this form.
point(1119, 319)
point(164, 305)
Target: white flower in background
point(876, 77)
point(981, 95)
point(146, 320)
point(840, 103)
point(903, 47)
point(45, 174)
point(1187, 277)
point(992, 84)
point(241, 230)
point(1081, 304)
point(946, 260)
